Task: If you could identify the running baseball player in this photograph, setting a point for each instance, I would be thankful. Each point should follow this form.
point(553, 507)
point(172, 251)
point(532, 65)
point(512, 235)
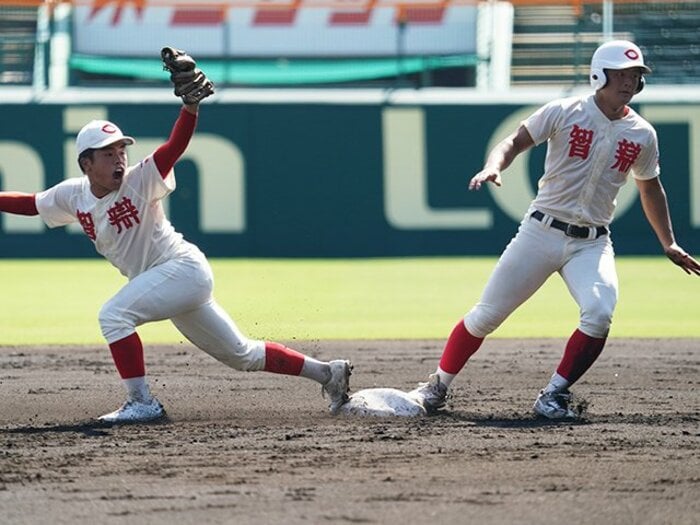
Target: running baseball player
point(119, 207)
point(593, 143)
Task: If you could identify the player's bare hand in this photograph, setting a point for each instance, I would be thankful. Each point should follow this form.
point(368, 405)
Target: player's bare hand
point(680, 257)
point(485, 175)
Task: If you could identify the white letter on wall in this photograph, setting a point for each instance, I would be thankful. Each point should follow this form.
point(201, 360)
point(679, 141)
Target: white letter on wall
point(406, 179)
point(221, 169)
point(22, 170)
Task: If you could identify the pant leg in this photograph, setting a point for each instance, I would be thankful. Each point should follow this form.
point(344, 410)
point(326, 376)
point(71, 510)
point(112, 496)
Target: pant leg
point(162, 292)
point(527, 262)
point(591, 278)
point(211, 329)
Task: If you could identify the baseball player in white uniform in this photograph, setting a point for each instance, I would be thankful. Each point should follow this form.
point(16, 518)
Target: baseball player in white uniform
point(594, 143)
point(120, 210)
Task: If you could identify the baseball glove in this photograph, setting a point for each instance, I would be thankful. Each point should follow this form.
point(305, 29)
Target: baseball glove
point(191, 85)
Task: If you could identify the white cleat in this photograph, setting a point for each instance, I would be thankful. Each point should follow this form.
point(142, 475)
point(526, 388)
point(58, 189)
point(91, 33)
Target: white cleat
point(555, 405)
point(135, 412)
point(338, 385)
point(431, 395)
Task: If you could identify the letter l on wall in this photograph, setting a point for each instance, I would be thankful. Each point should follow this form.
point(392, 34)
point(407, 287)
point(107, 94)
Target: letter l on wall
point(406, 179)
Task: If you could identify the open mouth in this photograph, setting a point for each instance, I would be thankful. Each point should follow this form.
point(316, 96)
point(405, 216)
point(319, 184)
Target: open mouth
point(118, 174)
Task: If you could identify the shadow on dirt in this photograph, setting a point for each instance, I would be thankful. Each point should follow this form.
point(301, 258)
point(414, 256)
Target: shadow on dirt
point(518, 421)
point(514, 421)
point(86, 428)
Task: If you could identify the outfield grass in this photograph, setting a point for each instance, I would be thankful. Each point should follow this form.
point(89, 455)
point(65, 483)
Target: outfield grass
point(57, 301)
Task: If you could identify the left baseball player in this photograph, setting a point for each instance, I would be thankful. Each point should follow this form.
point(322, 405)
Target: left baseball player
point(119, 207)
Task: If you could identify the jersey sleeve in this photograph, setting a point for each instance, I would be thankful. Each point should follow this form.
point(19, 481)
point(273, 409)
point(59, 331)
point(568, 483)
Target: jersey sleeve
point(542, 123)
point(145, 177)
point(54, 204)
point(647, 165)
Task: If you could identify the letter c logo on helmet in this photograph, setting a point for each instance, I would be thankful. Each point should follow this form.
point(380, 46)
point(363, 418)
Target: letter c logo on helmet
point(616, 54)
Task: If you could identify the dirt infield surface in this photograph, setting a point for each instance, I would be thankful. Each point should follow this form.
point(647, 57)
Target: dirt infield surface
point(259, 448)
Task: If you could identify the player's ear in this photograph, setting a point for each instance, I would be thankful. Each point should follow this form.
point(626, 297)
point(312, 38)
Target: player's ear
point(83, 159)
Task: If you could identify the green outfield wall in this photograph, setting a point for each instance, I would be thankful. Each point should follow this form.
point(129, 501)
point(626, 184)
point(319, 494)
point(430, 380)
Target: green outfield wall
point(332, 180)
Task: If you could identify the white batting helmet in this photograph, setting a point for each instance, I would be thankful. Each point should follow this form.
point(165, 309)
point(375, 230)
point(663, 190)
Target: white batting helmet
point(616, 54)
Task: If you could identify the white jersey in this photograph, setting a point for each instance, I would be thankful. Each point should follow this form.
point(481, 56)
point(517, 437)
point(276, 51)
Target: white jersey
point(128, 227)
point(589, 158)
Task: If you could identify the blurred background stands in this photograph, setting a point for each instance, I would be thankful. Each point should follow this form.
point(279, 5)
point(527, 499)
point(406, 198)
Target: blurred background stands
point(17, 44)
point(551, 44)
point(669, 36)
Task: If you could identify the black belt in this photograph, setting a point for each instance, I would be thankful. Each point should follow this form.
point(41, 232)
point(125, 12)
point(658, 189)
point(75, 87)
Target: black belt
point(580, 232)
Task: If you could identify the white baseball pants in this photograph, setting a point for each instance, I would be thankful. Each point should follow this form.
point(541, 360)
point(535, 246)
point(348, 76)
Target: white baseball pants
point(181, 290)
point(536, 252)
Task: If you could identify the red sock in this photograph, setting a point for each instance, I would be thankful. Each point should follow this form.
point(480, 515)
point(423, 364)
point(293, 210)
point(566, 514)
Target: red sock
point(581, 352)
point(460, 346)
point(128, 356)
point(282, 360)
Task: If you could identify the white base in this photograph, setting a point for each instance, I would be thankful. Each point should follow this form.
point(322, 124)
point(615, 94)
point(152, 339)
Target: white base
point(382, 402)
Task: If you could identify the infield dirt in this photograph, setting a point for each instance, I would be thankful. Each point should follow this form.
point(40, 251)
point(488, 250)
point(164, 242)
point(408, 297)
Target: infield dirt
point(259, 448)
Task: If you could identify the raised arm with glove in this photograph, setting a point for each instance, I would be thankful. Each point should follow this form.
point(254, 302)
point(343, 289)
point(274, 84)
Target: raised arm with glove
point(190, 83)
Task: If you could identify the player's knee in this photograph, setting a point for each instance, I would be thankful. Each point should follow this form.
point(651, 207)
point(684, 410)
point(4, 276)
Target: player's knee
point(596, 325)
point(596, 321)
point(246, 356)
point(483, 319)
point(113, 323)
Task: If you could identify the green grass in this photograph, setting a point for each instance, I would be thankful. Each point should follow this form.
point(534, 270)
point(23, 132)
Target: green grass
point(57, 301)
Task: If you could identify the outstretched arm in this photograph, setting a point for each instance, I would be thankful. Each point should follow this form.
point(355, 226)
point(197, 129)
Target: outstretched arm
point(167, 155)
point(192, 86)
point(655, 206)
point(18, 203)
point(501, 157)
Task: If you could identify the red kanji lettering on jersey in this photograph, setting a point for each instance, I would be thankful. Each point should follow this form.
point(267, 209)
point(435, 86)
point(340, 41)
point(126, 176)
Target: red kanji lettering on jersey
point(86, 222)
point(580, 141)
point(627, 152)
point(123, 213)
